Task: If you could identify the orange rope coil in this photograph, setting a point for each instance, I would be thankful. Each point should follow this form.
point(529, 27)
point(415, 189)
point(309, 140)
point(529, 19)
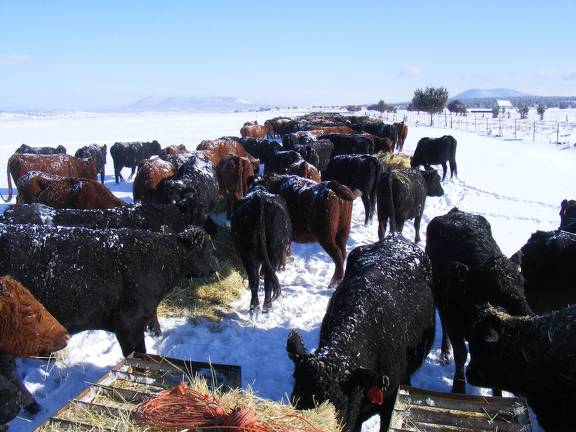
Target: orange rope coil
point(182, 407)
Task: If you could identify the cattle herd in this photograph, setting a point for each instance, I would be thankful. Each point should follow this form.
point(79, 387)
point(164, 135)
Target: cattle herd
point(68, 237)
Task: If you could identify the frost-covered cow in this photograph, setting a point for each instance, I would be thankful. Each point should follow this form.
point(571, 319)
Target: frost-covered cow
point(378, 329)
point(469, 269)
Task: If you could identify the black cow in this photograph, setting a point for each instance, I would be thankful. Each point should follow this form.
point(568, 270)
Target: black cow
point(40, 150)
point(402, 195)
point(281, 160)
point(378, 329)
point(531, 356)
point(360, 172)
point(375, 127)
point(568, 215)
point(469, 269)
point(194, 188)
point(128, 154)
point(349, 144)
point(66, 268)
point(260, 148)
point(147, 216)
point(262, 232)
point(436, 151)
point(548, 266)
point(96, 152)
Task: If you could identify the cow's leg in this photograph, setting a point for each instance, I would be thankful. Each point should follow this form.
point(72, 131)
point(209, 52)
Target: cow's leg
point(130, 332)
point(382, 220)
point(271, 288)
point(102, 176)
point(460, 355)
point(252, 270)
point(8, 371)
point(133, 170)
point(335, 253)
point(417, 220)
point(444, 169)
point(453, 169)
point(366, 202)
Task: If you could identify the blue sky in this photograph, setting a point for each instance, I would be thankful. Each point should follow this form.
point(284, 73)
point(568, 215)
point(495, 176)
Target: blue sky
point(105, 54)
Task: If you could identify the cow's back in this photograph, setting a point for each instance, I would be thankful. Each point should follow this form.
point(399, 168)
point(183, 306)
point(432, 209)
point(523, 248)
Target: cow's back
point(58, 164)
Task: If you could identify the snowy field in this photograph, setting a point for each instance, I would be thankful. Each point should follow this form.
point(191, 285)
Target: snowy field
point(516, 185)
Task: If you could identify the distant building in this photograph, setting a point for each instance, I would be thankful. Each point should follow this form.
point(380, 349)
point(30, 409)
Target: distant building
point(504, 105)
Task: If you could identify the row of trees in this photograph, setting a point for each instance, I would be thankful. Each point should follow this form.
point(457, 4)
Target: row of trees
point(432, 100)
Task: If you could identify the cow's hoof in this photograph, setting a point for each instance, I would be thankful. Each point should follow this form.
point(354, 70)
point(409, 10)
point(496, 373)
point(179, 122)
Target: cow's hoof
point(254, 310)
point(459, 386)
point(267, 307)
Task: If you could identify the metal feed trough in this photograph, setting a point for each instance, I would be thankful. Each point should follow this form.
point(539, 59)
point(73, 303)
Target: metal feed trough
point(418, 410)
point(104, 404)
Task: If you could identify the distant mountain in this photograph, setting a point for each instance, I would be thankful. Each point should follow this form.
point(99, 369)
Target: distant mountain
point(489, 93)
point(155, 103)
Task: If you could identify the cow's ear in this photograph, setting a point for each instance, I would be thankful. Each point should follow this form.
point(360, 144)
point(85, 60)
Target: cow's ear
point(563, 205)
point(295, 346)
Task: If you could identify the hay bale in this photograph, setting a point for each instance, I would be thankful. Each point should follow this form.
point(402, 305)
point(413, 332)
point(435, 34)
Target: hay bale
point(209, 297)
point(283, 416)
point(393, 160)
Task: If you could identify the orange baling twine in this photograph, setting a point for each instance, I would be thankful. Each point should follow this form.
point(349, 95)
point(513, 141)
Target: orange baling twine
point(182, 407)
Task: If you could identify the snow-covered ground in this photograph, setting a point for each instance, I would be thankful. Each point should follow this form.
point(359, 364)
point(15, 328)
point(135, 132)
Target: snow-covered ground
point(516, 185)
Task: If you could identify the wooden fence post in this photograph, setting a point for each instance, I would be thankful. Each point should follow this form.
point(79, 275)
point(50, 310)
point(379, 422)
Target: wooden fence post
point(558, 131)
point(534, 132)
point(515, 128)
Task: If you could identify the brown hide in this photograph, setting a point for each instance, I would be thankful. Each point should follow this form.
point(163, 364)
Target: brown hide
point(64, 192)
point(64, 165)
point(218, 149)
point(173, 150)
point(233, 174)
point(320, 212)
point(255, 131)
point(402, 130)
point(304, 169)
point(26, 327)
point(150, 173)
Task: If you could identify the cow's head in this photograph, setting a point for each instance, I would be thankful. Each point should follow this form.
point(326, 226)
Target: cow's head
point(317, 378)
point(432, 180)
point(26, 327)
point(200, 251)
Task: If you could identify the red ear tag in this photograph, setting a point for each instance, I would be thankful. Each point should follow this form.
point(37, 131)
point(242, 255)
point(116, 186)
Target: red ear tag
point(375, 395)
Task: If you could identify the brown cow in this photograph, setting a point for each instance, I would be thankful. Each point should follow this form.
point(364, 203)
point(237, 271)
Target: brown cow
point(150, 173)
point(173, 150)
point(380, 144)
point(255, 131)
point(26, 327)
point(234, 173)
point(304, 169)
point(64, 192)
point(320, 212)
point(402, 130)
point(218, 149)
point(315, 133)
point(64, 165)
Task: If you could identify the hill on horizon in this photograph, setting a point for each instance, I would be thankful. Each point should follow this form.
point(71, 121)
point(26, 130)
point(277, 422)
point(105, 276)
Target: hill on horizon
point(489, 93)
point(214, 103)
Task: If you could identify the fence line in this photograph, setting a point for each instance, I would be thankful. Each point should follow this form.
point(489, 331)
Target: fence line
point(509, 128)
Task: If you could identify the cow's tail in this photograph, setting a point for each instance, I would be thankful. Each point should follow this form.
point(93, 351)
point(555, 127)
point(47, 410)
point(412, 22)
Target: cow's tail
point(390, 201)
point(9, 185)
point(343, 192)
point(452, 160)
point(264, 248)
point(374, 186)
